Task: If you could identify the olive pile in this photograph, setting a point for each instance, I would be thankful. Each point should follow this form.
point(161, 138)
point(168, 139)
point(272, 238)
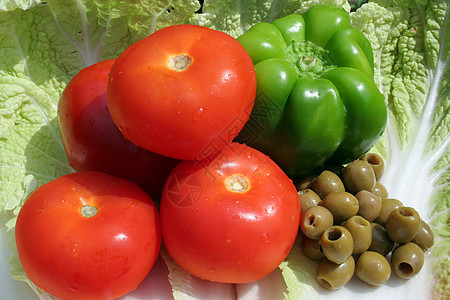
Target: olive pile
point(351, 225)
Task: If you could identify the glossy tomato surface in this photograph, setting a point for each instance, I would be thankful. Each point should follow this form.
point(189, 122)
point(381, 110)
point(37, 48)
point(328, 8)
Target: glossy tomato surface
point(231, 219)
point(184, 91)
point(93, 142)
point(88, 235)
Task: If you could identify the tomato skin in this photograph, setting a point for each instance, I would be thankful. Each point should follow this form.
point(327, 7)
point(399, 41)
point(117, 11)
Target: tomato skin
point(76, 257)
point(93, 142)
point(182, 114)
point(226, 236)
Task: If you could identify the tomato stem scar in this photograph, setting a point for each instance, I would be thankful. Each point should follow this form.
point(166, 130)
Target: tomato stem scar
point(237, 183)
point(180, 62)
point(88, 211)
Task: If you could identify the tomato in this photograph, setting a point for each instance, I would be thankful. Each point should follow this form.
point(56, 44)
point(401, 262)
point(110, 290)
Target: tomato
point(184, 91)
point(88, 235)
point(233, 218)
point(93, 142)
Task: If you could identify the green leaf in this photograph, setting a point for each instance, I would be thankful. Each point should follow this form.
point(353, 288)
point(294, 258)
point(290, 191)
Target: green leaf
point(42, 46)
point(235, 16)
point(9, 5)
point(411, 41)
point(189, 287)
point(298, 272)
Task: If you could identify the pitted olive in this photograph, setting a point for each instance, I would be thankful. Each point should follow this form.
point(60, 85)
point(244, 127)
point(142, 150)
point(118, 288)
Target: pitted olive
point(327, 182)
point(308, 198)
point(342, 205)
point(357, 176)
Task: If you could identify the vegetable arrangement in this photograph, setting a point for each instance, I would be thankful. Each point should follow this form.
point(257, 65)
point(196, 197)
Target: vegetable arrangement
point(100, 257)
point(36, 73)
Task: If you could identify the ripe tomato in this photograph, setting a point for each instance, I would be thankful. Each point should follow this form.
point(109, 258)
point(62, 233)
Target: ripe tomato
point(231, 219)
point(88, 235)
point(184, 91)
point(93, 142)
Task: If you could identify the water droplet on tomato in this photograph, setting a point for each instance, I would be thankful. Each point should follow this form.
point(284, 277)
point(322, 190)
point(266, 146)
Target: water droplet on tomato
point(226, 76)
point(121, 237)
point(262, 171)
point(236, 217)
point(196, 116)
point(195, 210)
point(212, 270)
point(38, 211)
point(265, 237)
point(73, 288)
point(91, 122)
point(74, 250)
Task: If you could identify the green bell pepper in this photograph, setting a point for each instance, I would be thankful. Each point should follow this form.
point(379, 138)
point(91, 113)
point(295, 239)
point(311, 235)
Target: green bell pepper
point(316, 102)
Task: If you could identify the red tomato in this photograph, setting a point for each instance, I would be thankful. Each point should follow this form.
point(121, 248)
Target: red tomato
point(185, 91)
point(88, 235)
point(231, 219)
point(93, 142)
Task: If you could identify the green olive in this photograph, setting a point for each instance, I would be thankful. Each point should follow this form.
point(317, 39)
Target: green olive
point(373, 268)
point(407, 260)
point(424, 237)
point(369, 205)
point(337, 244)
point(308, 198)
point(342, 205)
point(315, 220)
point(305, 182)
point(333, 276)
point(381, 242)
point(327, 182)
point(361, 232)
point(380, 190)
point(357, 176)
point(402, 224)
point(377, 164)
point(387, 206)
point(311, 248)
